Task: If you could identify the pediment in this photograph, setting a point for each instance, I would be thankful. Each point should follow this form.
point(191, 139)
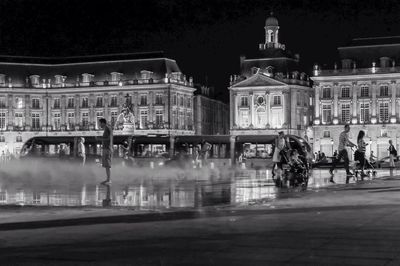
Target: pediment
point(258, 80)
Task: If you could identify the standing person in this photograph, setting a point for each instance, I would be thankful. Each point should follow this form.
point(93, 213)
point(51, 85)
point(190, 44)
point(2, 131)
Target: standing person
point(343, 143)
point(392, 153)
point(82, 150)
point(280, 145)
point(360, 152)
point(335, 154)
point(107, 149)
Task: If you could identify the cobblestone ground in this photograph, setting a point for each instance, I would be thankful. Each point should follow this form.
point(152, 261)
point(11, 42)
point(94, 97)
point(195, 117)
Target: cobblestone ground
point(339, 224)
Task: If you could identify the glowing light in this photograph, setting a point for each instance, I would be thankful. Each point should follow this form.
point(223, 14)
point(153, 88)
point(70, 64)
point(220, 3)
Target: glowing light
point(393, 120)
point(354, 121)
point(317, 121)
point(120, 83)
point(373, 67)
point(373, 120)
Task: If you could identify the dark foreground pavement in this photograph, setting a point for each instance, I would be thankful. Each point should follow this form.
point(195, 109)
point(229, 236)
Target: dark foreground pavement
point(357, 224)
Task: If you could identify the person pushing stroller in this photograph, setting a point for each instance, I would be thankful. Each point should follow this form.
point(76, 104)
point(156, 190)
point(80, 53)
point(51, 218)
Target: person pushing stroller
point(343, 143)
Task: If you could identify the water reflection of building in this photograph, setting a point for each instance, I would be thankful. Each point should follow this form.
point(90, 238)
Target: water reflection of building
point(271, 92)
point(66, 96)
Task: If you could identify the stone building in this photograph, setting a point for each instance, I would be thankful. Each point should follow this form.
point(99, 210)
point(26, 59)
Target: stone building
point(66, 96)
point(211, 116)
point(271, 93)
point(364, 91)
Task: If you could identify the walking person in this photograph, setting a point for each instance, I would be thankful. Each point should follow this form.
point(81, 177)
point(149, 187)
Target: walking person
point(360, 152)
point(107, 149)
point(343, 143)
point(82, 150)
point(280, 146)
point(392, 153)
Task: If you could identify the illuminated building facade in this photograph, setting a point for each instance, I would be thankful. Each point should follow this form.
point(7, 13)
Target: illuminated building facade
point(364, 92)
point(67, 96)
point(211, 116)
point(270, 94)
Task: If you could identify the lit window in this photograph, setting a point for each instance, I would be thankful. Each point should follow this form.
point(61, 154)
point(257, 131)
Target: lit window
point(345, 113)
point(114, 116)
point(244, 101)
point(326, 93)
point(19, 101)
point(116, 76)
point(364, 91)
point(159, 99)
point(345, 92)
point(277, 100)
point(86, 78)
point(159, 118)
point(57, 121)
point(35, 103)
point(146, 74)
point(19, 120)
point(71, 102)
point(35, 121)
point(99, 101)
point(143, 119)
point(326, 113)
point(143, 99)
point(2, 120)
point(71, 121)
point(2, 80)
point(384, 91)
point(114, 101)
point(383, 112)
point(2, 102)
point(85, 120)
point(364, 112)
point(57, 103)
point(85, 102)
point(98, 116)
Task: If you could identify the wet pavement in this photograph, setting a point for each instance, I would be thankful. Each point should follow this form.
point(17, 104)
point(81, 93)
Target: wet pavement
point(202, 218)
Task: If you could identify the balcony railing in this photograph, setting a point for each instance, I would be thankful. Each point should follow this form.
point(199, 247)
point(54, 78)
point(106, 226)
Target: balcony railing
point(352, 71)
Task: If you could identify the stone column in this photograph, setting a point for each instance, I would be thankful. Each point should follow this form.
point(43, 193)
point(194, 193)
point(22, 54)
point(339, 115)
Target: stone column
point(251, 109)
point(335, 100)
point(235, 106)
point(373, 102)
point(268, 106)
point(316, 105)
point(393, 99)
point(10, 108)
point(293, 109)
point(355, 105)
point(77, 113)
point(284, 107)
point(231, 110)
point(63, 103)
point(166, 107)
point(150, 103)
point(28, 112)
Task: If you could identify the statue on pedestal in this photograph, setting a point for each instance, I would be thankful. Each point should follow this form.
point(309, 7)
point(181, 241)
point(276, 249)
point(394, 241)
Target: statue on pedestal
point(127, 119)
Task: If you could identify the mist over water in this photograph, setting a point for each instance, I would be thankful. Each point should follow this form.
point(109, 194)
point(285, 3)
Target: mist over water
point(41, 173)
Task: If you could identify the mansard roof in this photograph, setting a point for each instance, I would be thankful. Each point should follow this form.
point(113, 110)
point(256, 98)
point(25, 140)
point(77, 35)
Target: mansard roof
point(101, 66)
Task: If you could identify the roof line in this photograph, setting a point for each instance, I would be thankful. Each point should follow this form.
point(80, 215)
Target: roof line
point(85, 63)
point(79, 56)
point(271, 58)
point(374, 38)
point(365, 46)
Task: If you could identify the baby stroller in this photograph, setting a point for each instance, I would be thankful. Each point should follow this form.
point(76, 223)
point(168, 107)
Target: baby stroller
point(369, 169)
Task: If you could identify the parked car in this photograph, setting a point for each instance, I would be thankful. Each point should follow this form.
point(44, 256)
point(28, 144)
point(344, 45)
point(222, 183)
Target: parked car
point(385, 162)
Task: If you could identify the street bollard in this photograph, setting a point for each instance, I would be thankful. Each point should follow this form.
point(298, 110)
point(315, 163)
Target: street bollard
point(152, 165)
point(243, 165)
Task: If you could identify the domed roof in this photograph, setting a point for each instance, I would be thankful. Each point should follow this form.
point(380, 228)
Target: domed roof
point(271, 21)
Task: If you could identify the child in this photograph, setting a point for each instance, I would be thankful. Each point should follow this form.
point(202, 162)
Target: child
point(297, 167)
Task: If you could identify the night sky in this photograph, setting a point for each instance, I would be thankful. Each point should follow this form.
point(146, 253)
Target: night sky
point(205, 37)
